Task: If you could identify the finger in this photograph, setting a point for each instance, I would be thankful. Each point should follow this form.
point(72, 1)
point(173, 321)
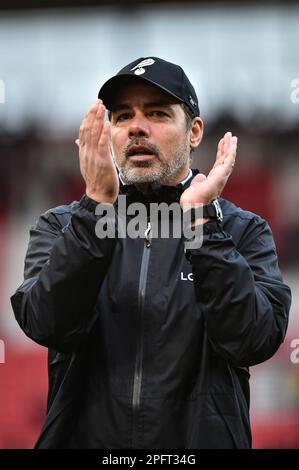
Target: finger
point(219, 147)
point(92, 107)
point(229, 146)
point(219, 154)
point(104, 142)
point(221, 151)
point(232, 145)
point(225, 164)
point(88, 119)
point(85, 122)
point(97, 125)
point(89, 125)
point(229, 160)
point(94, 135)
point(98, 112)
point(227, 137)
point(222, 148)
point(226, 141)
point(234, 140)
point(232, 149)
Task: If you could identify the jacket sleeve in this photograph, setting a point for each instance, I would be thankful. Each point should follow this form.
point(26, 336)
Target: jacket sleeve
point(240, 292)
point(64, 269)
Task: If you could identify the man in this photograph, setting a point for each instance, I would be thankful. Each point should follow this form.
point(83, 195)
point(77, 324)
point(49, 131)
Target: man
point(150, 341)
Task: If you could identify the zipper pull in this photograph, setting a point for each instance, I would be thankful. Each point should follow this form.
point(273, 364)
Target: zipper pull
point(147, 235)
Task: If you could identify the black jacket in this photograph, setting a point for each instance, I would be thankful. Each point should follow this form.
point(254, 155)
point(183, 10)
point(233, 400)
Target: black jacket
point(143, 353)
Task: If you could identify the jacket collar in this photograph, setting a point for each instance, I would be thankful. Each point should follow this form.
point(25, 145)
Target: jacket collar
point(157, 192)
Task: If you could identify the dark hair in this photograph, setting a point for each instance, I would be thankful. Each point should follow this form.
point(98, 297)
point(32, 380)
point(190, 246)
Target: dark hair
point(189, 120)
point(188, 116)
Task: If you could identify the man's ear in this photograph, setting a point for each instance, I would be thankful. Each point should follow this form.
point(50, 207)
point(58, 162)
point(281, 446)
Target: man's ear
point(196, 132)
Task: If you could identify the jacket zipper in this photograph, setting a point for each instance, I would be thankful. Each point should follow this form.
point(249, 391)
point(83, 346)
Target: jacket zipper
point(139, 349)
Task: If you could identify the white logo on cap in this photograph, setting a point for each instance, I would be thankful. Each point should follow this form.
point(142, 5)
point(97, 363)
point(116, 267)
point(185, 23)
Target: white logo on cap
point(144, 63)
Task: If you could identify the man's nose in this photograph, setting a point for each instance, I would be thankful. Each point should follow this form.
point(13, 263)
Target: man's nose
point(139, 127)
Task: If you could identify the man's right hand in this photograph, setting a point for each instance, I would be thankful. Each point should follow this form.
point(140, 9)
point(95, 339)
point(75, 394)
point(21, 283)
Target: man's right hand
point(96, 163)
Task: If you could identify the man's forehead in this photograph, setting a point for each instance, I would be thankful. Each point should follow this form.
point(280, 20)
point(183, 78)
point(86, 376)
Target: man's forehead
point(141, 94)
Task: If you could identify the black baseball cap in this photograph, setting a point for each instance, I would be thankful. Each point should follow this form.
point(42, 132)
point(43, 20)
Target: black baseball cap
point(165, 75)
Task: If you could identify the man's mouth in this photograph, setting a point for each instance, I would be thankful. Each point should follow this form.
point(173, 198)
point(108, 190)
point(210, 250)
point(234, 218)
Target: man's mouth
point(140, 153)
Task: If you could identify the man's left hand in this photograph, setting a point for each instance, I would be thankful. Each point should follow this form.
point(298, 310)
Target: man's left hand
point(204, 189)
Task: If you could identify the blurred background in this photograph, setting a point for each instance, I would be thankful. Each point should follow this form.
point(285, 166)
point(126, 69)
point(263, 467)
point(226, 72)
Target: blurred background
point(244, 63)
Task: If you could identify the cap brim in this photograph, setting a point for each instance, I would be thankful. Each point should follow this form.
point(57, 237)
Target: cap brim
point(109, 90)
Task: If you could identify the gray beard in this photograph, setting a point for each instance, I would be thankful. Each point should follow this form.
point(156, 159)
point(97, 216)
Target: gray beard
point(161, 174)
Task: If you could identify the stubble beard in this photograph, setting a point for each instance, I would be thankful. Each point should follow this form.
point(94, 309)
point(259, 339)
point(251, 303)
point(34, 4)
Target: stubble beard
point(157, 171)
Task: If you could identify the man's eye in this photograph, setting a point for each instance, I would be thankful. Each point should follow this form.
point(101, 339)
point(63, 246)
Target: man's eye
point(157, 113)
point(122, 117)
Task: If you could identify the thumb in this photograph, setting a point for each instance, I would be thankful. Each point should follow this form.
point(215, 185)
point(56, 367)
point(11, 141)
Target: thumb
point(198, 178)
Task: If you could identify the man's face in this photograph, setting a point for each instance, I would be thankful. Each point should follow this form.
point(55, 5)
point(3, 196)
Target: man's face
point(150, 141)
